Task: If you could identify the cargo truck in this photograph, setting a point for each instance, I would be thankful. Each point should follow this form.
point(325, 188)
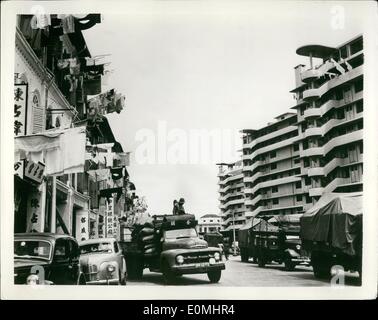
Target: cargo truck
point(332, 232)
point(170, 245)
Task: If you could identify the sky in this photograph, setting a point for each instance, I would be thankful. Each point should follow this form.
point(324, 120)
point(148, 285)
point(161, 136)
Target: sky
point(207, 67)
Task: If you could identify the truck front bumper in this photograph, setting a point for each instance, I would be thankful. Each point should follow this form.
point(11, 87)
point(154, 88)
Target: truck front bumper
point(103, 282)
point(300, 260)
point(197, 268)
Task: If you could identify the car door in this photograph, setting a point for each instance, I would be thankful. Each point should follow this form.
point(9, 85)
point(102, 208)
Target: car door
point(118, 255)
point(74, 261)
point(59, 266)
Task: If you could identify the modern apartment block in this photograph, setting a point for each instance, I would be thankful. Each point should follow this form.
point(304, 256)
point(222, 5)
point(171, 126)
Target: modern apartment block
point(231, 195)
point(272, 167)
point(329, 98)
point(287, 165)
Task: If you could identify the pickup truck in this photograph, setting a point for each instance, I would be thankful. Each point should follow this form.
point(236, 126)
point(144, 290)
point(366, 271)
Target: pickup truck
point(171, 245)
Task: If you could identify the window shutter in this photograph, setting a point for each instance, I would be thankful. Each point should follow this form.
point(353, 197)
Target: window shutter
point(38, 114)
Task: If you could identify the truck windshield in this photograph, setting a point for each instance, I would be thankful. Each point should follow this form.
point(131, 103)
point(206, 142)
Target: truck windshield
point(180, 233)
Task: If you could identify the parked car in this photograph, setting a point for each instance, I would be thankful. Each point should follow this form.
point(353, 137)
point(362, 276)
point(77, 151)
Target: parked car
point(102, 261)
point(46, 258)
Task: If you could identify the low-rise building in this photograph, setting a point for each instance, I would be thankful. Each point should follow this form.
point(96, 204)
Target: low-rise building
point(209, 223)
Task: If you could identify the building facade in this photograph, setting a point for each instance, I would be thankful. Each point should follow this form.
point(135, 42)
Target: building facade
point(288, 164)
point(70, 172)
point(271, 168)
point(231, 196)
point(329, 104)
point(209, 223)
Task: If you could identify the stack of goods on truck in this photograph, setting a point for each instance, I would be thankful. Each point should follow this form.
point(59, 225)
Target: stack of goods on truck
point(148, 235)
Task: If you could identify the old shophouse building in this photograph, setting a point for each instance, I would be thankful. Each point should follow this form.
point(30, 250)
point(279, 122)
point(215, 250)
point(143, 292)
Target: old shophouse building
point(70, 172)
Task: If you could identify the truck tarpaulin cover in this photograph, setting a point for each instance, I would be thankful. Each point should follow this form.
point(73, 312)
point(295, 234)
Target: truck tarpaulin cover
point(337, 219)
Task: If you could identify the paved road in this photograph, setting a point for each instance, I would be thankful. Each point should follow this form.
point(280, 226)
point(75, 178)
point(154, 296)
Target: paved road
point(239, 273)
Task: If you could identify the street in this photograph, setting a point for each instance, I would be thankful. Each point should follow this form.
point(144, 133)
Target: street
point(239, 274)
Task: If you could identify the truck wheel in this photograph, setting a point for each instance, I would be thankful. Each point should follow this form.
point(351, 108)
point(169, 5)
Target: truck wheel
point(321, 270)
point(139, 268)
point(243, 256)
point(167, 273)
point(261, 262)
point(214, 276)
point(81, 281)
point(289, 265)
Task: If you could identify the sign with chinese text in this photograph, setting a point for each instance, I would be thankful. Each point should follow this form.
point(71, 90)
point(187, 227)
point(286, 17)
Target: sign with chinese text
point(20, 109)
point(109, 217)
point(34, 171)
point(19, 168)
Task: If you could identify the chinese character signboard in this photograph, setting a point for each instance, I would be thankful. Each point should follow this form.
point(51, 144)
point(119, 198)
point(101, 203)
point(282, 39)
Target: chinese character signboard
point(19, 168)
point(34, 171)
point(20, 109)
point(109, 216)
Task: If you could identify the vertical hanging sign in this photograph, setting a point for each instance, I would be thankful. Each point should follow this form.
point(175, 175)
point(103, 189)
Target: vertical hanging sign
point(20, 109)
point(109, 218)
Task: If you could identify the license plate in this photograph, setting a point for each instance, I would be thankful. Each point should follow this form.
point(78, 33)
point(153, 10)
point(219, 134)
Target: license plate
point(202, 265)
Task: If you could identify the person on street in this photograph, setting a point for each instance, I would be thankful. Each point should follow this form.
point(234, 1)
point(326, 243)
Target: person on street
point(226, 249)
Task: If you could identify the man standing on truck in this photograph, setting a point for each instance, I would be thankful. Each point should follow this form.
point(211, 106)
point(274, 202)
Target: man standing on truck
point(175, 207)
point(181, 209)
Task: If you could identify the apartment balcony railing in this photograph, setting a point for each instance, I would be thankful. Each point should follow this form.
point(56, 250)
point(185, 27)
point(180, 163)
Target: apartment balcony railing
point(236, 201)
point(253, 178)
point(311, 74)
point(315, 131)
point(318, 171)
point(270, 136)
point(312, 151)
point(311, 94)
point(253, 201)
point(275, 182)
point(316, 112)
point(316, 192)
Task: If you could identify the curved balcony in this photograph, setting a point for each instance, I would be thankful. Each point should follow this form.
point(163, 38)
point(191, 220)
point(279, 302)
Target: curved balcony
point(268, 136)
point(309, 75)
point(316, 151)
point(311, 94)
point(236, 201)
point(313, 112)
point(311, 132)
point(344, 139)
point(312, 172)
point(253, 178)
point(252, 202)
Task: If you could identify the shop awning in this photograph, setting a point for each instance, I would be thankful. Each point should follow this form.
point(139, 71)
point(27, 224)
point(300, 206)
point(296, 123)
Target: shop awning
point(62, 152)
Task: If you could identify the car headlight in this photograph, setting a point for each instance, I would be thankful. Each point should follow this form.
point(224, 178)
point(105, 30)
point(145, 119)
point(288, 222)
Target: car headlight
point(298, 247)
point(212, 261)
point(110, 268)
point(180, 259)
point(216, 256)
point(32, 279)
